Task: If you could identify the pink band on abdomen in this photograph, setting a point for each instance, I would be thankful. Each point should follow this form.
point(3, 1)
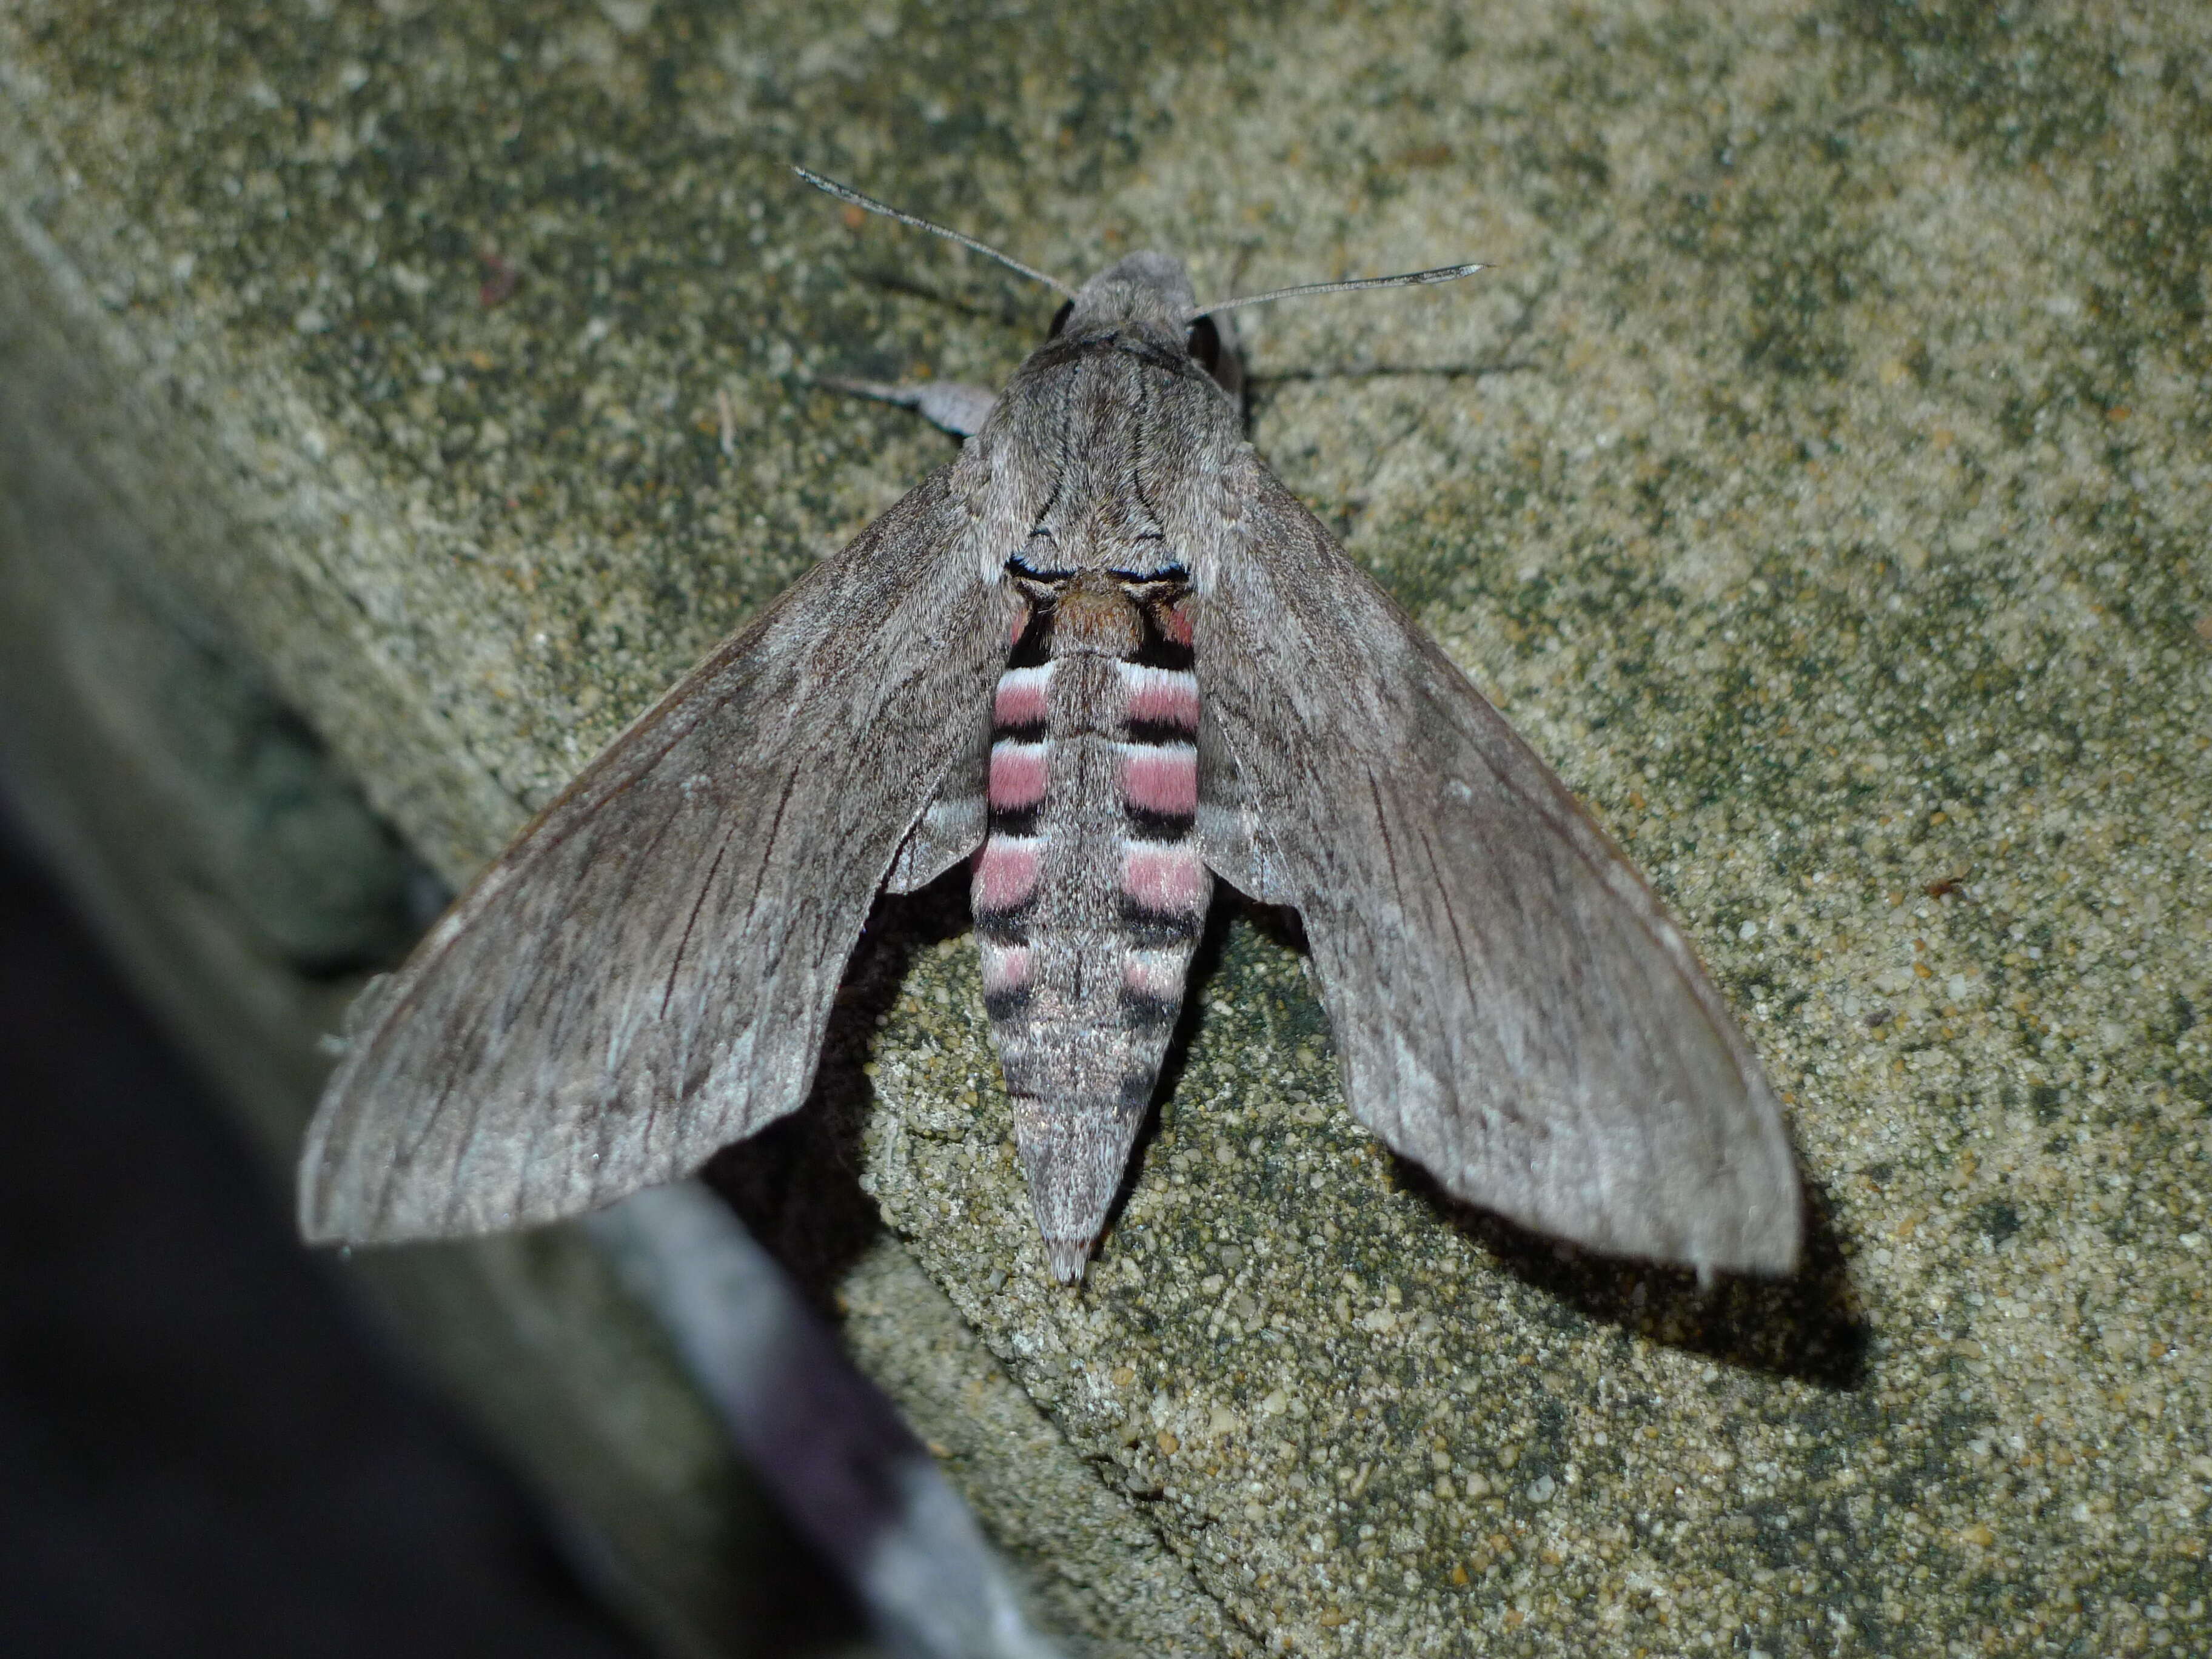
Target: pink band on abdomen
point(1164, 878)
point(1021, 699)
point(1161, 779)
point(1006, 872)
point(1018, 771)
point(1161, 696)
point(1005, 967)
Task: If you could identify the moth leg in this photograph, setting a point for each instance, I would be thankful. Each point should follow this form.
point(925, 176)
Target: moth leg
point(958, 409)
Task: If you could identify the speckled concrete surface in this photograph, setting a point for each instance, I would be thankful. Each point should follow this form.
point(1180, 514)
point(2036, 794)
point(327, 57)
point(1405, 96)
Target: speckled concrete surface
point(1820, 483)
point(1092, 1562)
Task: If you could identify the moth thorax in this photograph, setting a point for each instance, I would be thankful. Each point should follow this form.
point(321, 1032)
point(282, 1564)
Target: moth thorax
point(1095, 616)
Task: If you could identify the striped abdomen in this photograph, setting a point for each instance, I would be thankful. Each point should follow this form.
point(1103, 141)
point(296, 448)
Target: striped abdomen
point(1088, 894)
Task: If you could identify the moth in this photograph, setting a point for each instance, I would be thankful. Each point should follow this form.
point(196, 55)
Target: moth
point(1105, 656)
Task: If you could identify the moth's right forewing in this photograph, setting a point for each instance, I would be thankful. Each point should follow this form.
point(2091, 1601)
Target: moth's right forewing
point(647, 973)
point(1512, 1005)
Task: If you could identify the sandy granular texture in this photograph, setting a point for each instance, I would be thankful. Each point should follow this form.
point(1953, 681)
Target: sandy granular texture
point(1824, 488)
point(1820, 483)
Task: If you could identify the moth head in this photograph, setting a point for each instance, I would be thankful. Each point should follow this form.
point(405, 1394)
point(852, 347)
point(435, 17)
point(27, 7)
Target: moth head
point(1150, 293)
point(1147, 294)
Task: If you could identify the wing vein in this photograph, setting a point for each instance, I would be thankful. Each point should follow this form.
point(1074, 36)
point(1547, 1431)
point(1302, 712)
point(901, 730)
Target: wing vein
point(555, 1047)
point(690, 922)
point(1514, 1007)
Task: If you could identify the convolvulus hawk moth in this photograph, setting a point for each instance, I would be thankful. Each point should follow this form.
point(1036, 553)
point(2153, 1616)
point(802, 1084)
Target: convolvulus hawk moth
point(1105, 655)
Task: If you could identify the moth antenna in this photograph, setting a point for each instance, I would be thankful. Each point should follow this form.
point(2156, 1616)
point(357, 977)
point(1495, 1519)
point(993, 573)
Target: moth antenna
point(846, 193)
point(1409, 279)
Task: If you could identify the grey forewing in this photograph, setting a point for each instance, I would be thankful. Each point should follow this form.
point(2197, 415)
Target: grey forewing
point(645, 975)
point(1512, 1006)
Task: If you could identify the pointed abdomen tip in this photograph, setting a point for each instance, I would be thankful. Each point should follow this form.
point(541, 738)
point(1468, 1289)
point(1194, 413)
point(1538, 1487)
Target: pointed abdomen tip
point(1068, 1257)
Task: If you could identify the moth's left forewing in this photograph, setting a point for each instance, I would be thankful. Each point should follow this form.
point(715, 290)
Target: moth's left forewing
point(645, 975)
point(1513, 1008)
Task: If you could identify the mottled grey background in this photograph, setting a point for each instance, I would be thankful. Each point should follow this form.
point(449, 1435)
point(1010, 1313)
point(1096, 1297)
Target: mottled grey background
point(1821, 481)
